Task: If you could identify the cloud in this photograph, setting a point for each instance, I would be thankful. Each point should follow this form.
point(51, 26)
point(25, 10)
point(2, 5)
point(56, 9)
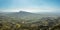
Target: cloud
point(30, 9)
point(39, 9)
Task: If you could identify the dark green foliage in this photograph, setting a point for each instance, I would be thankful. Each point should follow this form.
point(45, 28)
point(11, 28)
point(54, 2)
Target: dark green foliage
point(56, 27)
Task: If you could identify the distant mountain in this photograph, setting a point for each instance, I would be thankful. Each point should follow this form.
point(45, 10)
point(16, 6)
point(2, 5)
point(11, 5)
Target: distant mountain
point(28, 15)
point(23, 14)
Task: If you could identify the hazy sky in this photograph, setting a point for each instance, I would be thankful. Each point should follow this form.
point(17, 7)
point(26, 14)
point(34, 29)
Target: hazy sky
point(30, 5)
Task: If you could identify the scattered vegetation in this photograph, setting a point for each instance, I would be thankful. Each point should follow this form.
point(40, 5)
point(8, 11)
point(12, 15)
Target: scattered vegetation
point(44, 23)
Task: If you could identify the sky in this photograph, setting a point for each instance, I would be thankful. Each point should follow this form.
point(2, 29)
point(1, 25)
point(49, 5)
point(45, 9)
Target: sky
point(30, 5)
